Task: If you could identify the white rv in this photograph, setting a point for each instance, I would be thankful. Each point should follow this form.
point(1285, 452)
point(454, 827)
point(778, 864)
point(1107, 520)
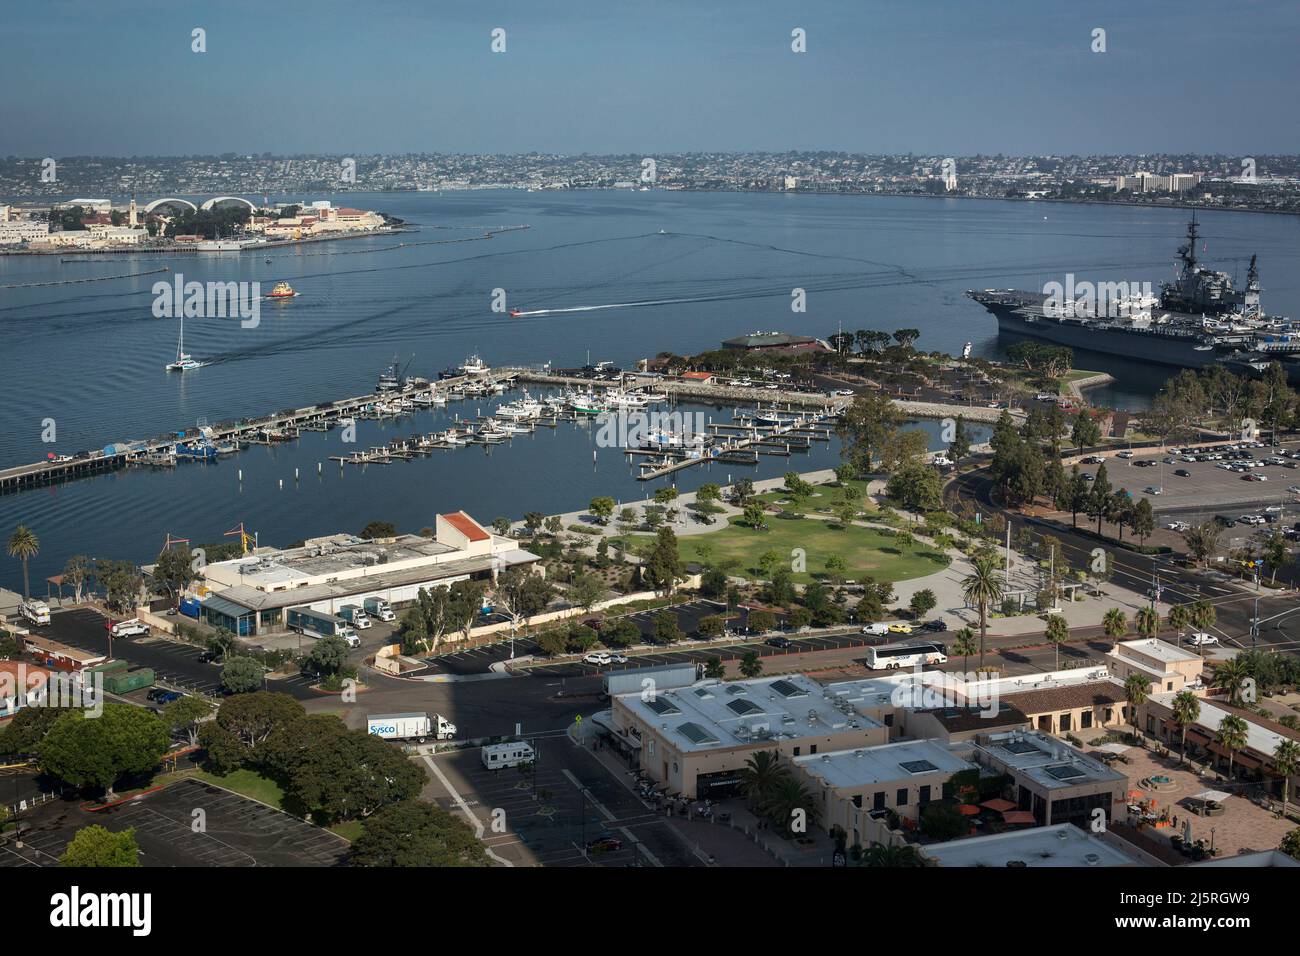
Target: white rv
point(512, 754)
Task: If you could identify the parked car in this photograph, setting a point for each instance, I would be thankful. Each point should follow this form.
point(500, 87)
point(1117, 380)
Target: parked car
point(879, 629)
point(598, 658)
point(938, 624)
point(900, 627)
point(1201, 639)
point(1152, 490)
point(1125, 454)
point(1183, 473)
point(160, 695)
point(209, 657)
point(604, 845)
point(781, 642)
point(1091, 460)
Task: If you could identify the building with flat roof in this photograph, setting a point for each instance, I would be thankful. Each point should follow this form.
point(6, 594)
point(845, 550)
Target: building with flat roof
point(776, 341)
point(1057, 783)
point(250, 594)
point(1169, 668)
point(695, 740)
point(902, 776)
point(1254, 761)
point(1060, 845)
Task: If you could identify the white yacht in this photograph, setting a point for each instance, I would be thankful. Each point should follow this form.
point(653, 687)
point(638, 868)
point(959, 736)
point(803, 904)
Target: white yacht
point(184, 362)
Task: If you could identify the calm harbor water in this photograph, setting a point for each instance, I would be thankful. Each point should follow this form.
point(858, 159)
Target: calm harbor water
point(90, 357)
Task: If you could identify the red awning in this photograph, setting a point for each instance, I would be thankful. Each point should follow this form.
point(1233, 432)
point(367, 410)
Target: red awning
point(1017, 816)
point(998, 804)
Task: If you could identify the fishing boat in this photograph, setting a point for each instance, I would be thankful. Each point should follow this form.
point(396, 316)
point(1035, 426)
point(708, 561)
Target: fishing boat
point(617, 398)
point(521, 410)
point(586, 404)
point(492, 433)
point(184, 362)
point(282, 290)
point(474, 366)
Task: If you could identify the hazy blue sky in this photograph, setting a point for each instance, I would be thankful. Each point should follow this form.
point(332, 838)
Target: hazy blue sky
point(941, 76)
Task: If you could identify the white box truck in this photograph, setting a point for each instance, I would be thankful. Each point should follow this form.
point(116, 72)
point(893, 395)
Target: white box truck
point(35, 612)
point(512, 754)
point(418, 726)
point(378, 607)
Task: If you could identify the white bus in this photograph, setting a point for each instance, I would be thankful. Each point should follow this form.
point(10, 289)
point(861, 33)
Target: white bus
point(890, 656)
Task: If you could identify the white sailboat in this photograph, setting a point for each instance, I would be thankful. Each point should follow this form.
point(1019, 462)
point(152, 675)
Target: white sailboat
point(184, 362)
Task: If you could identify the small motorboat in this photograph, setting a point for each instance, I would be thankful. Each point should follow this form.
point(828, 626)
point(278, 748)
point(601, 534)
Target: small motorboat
point(282, 290)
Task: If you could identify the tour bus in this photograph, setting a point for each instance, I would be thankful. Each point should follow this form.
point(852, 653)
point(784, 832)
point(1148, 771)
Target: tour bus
point(890, 656)
point(319, 624)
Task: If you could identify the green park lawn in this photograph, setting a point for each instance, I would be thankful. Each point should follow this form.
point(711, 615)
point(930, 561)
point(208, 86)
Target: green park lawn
point(866, 551)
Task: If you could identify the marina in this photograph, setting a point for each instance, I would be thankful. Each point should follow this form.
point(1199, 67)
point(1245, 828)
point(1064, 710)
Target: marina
point(749, 434)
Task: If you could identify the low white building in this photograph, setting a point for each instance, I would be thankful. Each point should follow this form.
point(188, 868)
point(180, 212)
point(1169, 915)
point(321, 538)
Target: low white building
point(1061, 845)
point(250, 594)
point(12, 233)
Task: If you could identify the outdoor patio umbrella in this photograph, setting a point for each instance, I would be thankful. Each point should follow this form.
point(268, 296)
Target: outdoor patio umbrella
point(998, 804)
point(1017, 816)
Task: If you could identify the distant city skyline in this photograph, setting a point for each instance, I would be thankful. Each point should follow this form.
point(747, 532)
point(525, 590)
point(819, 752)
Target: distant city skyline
point(944, 77)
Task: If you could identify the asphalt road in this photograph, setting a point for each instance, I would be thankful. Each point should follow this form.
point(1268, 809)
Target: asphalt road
point(1235, 604)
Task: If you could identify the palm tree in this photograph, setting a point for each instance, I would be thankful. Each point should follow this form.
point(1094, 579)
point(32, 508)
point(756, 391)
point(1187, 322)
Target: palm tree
point(1203, 618)
point(1137, 688)
point(1186, 708)
point(24, 545)
point(1058, 632)
point(759, 775)
point(1147, 622)
point(1115, 623)
point(965, 646)
point(789, 800)
point(1286, 760)
point(1230, 678)
point(1180, 615)
point(904, 855)
point(981, 587)
point(1232, 737)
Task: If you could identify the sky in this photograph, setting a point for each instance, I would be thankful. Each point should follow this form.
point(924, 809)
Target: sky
point(948, 77)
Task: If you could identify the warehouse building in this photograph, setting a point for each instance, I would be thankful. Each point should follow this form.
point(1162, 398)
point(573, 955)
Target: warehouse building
point(250, 595)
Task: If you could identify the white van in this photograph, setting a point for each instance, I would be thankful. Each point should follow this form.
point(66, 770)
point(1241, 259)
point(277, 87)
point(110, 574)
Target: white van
point(879, 629)
point(499, 756)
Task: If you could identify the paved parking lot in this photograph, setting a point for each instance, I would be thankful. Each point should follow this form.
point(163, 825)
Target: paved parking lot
point(575, 800)
point(237, 831)
point(1210, 490)
point(174, 662)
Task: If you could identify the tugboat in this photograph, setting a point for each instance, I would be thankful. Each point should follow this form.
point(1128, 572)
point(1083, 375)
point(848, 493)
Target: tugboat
point(282, 290)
